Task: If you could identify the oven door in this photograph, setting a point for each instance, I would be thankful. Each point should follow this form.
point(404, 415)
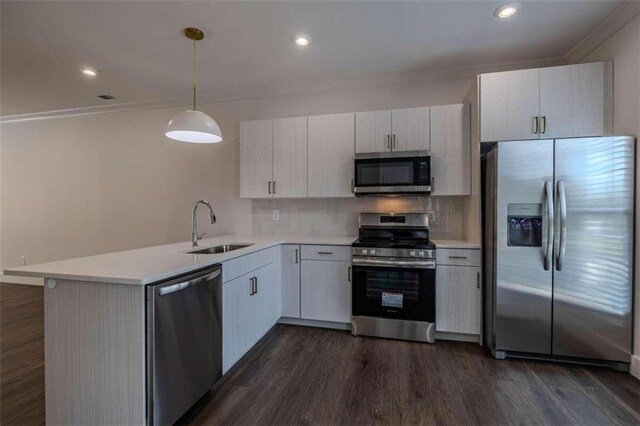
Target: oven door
point(391, 175)
point(398, 292)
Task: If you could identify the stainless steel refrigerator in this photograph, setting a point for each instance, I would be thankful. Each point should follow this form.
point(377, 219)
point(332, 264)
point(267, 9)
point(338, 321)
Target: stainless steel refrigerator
point(559, 241)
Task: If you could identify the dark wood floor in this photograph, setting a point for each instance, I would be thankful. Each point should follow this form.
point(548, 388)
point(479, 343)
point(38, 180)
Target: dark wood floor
point(21, 354)
point(324, 377)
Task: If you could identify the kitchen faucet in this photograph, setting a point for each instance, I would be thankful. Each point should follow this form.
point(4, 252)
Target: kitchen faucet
point(194, 224)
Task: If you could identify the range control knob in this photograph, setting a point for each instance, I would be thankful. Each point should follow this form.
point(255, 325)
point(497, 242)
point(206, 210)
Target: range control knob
point(421, 253)
point(364, 252)
point(372, 252)
point(412, 253)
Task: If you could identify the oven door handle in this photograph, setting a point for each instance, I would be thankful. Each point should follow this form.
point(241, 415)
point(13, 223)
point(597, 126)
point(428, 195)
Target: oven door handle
point(421, 264)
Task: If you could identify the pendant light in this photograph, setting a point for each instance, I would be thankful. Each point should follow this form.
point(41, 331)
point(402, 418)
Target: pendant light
point(192, 125)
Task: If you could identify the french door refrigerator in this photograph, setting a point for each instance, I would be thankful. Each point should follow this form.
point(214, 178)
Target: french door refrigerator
point(559, 232)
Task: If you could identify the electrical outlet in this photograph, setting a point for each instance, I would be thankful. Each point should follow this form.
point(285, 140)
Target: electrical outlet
point(275, 215)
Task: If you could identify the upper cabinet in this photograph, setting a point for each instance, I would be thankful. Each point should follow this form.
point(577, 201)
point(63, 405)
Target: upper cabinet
point(331, 148)
point(410, 129)
point(256, 154)
point(451, 150)
point(313, 157)
point(509, 103)
point(289, 158)
point(556, 102)
point(273, 158)
point(373, 131)
point(393, 130)
point(576, 100)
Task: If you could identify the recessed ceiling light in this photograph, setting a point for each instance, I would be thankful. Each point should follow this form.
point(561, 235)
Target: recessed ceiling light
point(90, 72)
point(302, 41)
point(506, 11)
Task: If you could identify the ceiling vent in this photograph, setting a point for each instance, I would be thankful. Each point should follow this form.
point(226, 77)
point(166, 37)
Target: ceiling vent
point(107, 97)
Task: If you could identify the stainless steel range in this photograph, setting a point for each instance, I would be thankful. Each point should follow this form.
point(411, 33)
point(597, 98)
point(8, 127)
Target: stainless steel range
point(394, 283)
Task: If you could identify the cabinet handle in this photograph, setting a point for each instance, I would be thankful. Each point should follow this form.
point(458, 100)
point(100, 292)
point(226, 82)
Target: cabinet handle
point(269, 187)
point(433, 184)
point(353, 186)
point(478, 280)
point(251, 286)
point(349, 273)
point(394, 142)
point(535, 125)
point(388, 142)
point(544, 124)
point(274, 187)
point(297, 253)
point(457, 257)
point(255, 285)
point(325, 252)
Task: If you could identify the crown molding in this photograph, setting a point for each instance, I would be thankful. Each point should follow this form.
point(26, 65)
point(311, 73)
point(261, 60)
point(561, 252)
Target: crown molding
point(611, 25)
point(386, 80)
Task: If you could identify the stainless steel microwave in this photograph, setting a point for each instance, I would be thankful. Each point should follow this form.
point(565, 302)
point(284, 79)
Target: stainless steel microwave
point(392, 173)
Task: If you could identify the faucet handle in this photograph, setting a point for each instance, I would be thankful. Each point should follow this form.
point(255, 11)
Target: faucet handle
point(201, 236)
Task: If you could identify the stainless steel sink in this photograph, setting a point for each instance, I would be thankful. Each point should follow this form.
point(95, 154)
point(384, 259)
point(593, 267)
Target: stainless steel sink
point(224, 248)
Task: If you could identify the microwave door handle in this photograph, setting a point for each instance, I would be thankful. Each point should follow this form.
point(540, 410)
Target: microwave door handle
point(548, 255)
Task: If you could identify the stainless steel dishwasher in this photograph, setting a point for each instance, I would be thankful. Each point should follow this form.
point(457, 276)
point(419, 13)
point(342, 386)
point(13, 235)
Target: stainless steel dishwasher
point(184, 342)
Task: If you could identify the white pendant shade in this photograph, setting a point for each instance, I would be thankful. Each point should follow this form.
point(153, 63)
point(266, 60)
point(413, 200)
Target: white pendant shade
point(193, 126)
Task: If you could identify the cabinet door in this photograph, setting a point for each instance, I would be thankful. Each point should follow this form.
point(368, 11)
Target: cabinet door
point(256, 158)
point(575, 100)
point(410, 129)
point(331, 152)
point(291, 281)
point(325, 291)
point(266, 300)
point(290, 157)
point(509, 105)
point(238, 320)
point(451, 150)
point(458, 296)
point(373, 129)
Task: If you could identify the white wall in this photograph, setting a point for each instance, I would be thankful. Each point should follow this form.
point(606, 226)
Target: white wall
point(98, 183)
point(623, 48)
point(76, 186)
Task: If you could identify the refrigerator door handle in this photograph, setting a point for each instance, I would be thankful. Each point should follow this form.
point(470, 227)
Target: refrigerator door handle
point(562, 200)
point(548, 255)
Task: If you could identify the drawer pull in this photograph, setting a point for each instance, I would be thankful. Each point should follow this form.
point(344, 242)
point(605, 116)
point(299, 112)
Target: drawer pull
point(325, 252)
point(457, 257)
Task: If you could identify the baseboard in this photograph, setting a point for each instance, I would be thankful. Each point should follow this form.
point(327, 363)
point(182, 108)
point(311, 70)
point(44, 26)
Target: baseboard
point(634, 369)
point(458, 337)
point(315, 323)
point(14, 279)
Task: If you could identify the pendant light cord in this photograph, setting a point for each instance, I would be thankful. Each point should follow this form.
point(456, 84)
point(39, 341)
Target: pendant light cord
point(195, 74)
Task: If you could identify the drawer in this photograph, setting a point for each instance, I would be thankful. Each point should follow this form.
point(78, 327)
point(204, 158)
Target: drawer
point(234, 268)
point(322, 252)
point(458, 257)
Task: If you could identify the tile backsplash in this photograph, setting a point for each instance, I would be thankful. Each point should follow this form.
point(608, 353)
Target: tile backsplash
point(339, 217)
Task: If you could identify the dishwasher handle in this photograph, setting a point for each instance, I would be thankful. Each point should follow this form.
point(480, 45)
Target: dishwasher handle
point(181, 286)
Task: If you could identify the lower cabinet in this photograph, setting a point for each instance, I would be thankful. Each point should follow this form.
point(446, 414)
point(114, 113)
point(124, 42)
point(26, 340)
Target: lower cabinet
point(291, 281)
point(251, 306)
point(326, 290)
point(458, 299)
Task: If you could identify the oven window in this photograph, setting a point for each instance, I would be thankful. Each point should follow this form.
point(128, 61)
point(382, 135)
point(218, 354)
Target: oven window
point(384, 173)
point(393, 288)
point(391, 292)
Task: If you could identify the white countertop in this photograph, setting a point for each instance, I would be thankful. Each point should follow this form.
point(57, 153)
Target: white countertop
point(147, 265)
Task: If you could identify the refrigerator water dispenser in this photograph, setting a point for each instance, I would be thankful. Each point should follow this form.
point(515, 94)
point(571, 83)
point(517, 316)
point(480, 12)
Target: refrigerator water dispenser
point(524, 225)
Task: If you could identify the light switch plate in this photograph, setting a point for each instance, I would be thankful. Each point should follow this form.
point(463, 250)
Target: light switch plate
point(275, 215)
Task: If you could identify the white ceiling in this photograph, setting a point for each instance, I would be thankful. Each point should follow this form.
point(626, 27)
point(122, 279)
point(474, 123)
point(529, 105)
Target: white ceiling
point(142, 54)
